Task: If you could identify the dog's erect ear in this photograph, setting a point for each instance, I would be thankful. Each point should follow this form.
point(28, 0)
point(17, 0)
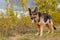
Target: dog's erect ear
point(36, 9)
point(29, 10)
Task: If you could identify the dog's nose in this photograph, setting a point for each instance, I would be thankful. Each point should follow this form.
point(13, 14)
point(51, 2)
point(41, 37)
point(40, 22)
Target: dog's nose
point(32, 18)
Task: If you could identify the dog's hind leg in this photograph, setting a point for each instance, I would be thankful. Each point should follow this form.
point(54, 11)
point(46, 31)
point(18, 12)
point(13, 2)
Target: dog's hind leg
point(50, 26)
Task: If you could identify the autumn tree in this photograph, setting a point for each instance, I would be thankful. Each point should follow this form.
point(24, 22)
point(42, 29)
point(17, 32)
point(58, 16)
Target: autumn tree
point(46, 5)
point(49, 6)
point(23, 4)
point(9, 8)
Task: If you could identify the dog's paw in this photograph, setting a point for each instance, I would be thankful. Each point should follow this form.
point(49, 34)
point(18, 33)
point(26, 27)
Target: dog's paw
point(37, 34)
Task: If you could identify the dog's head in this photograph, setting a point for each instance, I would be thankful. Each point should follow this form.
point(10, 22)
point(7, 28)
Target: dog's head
point(33, 14)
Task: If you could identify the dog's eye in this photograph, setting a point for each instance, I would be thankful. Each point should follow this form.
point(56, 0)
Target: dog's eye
point(30, 14)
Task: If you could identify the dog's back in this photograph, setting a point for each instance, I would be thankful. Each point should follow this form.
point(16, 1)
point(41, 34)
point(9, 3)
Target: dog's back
point(45, 16)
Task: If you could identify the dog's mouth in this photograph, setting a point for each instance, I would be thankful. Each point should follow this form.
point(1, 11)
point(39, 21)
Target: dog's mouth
point(32, 21)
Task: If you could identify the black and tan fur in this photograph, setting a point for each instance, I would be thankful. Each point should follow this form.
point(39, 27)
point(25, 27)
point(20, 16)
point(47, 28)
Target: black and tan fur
point(41, 19)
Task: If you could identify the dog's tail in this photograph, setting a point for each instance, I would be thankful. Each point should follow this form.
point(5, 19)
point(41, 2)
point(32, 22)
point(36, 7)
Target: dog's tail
point(54, 27)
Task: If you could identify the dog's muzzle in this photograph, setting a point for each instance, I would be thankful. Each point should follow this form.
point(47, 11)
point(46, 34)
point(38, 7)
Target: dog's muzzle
point(32, 21)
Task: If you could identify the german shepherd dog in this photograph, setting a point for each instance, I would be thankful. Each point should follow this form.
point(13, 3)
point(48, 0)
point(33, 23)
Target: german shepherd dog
point(41, 19)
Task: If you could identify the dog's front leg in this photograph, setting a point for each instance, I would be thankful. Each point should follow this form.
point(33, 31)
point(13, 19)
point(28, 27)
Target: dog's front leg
point(41, 30)
point(38, 33)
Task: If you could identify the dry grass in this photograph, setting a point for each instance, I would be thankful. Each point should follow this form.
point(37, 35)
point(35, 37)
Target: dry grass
point(32, 36)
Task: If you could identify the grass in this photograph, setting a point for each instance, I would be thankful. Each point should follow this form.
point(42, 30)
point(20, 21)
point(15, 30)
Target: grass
point(54, 36)
point(30, 35)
